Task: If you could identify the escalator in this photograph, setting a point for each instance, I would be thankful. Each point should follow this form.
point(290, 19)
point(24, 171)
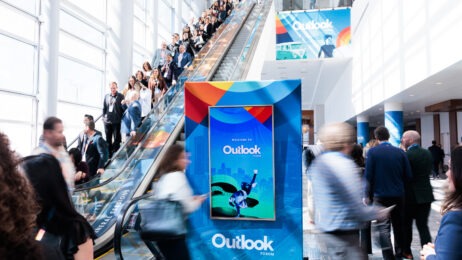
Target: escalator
point(131, 170)
point(127, 243)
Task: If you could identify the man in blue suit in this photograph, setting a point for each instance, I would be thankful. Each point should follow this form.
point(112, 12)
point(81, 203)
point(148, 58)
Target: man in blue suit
point(132, 116)
point(182, 60)
point(387, 172)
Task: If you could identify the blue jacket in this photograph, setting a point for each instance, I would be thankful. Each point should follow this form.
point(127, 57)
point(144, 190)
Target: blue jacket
point(447, 243)
point(186, 61)
point(387, 171)
point(131, 119)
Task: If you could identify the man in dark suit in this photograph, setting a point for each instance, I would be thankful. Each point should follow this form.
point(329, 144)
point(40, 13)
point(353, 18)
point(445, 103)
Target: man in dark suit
point(182, 60)
point(168, 70)
point(112, 116)
point(419, 194)
point(83, 139)
point(387, 172)
point(95, 151)
point(437, 155)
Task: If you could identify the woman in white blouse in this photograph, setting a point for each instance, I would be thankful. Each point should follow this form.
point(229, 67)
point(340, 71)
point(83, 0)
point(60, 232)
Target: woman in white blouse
point(170, 182)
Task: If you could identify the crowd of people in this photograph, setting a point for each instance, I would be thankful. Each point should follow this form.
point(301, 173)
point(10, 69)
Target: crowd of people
point(390, 185)
point(36, 208)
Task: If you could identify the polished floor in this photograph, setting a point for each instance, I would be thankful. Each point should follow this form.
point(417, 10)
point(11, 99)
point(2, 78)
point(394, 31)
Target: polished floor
point(311, 249)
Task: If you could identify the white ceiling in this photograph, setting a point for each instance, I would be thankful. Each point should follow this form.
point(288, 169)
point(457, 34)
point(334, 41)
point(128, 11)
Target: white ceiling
point(318, 82)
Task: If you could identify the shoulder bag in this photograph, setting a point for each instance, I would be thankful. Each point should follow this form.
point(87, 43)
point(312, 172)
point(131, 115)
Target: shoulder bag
point(161, 219)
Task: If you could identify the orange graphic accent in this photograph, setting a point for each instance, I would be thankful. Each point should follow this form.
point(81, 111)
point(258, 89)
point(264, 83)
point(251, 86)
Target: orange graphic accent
point(280, 29)
point(261, 113)
point(156, 139)
point(344, 37)
point(200, 95)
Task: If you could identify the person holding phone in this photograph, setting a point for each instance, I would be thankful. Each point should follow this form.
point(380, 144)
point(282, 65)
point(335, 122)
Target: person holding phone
point(170, 182)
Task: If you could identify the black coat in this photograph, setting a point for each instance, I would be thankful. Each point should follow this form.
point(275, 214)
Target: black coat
point(114, 116)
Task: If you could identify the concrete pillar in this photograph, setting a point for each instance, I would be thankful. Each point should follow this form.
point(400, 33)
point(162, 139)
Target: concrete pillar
point(120, 42)
point(394, 122)
point(362, 132)
point(48, 59)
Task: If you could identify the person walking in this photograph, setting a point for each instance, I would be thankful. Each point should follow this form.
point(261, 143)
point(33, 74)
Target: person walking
point(337, 191)
point(387, 172)
point(170, 182)
point(437, 155)
point(419, 194)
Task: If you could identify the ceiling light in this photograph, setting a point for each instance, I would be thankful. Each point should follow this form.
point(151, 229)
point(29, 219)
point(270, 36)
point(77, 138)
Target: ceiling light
point(411, 95)
point(438, 83)
point(418, 111)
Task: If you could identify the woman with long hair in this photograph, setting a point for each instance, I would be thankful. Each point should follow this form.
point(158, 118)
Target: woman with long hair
point(157, 85)
point(447, 243)
point(18, 209)
point(58, 215)
point(147, 70)
point(130, 85)
point(170, 182)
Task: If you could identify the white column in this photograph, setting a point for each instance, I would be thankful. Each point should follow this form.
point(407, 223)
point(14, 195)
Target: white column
point(120, 41)
point(48, 60)
point(394, 122)
point(155, 24)
point(319, 120)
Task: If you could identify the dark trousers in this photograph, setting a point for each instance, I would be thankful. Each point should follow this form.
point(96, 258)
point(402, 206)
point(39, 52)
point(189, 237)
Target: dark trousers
point(174, 249)
point(341, 245)
point(384, 227)
point(436, 169)
point(420, 213)
point(112, 131)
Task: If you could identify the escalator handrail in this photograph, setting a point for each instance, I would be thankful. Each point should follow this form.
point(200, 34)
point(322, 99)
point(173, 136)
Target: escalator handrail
point(123, 212)
point(250, 42)
point(138, 147)
point(121, 221)
point(214, 68)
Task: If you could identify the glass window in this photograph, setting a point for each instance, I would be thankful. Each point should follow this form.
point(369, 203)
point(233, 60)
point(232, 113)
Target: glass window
point(26, 5)
point(10, 104)
point(69, 44)
point(139, 32)
point(17, 23)
point(165, 16)
point(79, 83)
point(80, 29)
point(72, 116)
point(96, 9)
point(16, 65)
point(20, 136)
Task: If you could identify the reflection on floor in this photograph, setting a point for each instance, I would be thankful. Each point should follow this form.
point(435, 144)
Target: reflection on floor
point(132, 249)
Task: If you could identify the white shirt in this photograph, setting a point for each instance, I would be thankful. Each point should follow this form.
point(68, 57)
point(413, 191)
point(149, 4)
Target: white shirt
point(145, 100)
point(176, 186)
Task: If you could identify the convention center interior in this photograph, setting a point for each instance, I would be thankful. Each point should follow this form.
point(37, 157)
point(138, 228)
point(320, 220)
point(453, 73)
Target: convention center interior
point(230, 129)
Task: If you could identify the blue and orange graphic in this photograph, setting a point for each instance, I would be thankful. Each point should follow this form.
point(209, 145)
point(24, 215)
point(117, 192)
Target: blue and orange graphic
point(313, 34)
point(241, 151)
point(252, 171)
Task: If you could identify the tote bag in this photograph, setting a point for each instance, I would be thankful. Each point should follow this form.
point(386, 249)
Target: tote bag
point(161, 219)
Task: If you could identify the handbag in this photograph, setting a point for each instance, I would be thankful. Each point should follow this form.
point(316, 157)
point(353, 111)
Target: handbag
point(161, 219)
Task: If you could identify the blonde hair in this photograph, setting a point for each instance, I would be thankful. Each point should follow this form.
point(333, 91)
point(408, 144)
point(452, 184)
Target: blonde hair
point(335, 136)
